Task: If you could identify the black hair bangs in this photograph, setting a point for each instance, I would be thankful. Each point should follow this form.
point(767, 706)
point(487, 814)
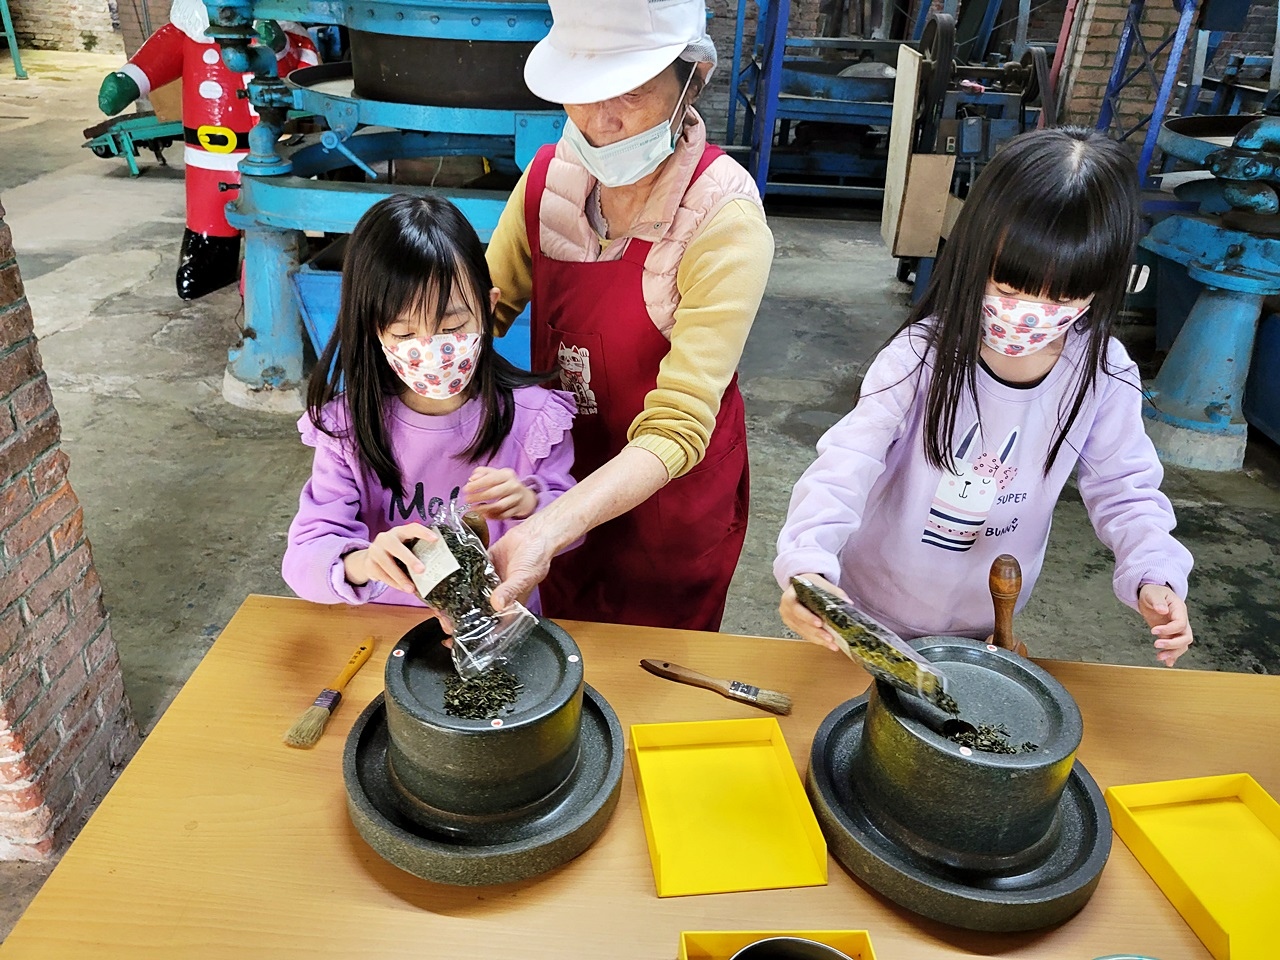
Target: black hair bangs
point(1055, 216)
point(406, 259)
point(386, 269)
point(1072, 256)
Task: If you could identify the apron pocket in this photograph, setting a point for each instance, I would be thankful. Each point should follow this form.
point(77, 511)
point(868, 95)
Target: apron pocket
point(579, 357)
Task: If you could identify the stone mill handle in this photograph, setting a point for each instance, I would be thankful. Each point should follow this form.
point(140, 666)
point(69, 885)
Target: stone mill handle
point(478, 526)
point(1006, 584)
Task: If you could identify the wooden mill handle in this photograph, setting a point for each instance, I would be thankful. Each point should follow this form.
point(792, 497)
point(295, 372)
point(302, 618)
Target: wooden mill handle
point(1006, 584)
point(478, 526)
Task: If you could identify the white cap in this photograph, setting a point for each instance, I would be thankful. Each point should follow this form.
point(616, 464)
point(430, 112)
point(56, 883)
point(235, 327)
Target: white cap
point(598, 49)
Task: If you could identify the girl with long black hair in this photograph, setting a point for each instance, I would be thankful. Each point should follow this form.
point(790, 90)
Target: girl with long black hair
point(416, 404)
point(1003, 381)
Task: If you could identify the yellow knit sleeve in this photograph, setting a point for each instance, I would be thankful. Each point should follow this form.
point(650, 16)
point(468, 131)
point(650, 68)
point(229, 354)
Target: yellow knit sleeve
point(510, 262)
point(721, 281)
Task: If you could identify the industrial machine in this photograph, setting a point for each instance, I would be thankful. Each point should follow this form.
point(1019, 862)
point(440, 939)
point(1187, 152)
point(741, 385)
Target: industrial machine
point(818, 110)
point(949, 120)
point(1220, 371)
point(426, 78)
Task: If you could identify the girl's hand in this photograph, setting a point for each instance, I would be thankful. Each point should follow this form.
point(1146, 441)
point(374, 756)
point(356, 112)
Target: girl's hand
point(1166, 614)
point(379, 561)
point(499, 494)
point(796, 616)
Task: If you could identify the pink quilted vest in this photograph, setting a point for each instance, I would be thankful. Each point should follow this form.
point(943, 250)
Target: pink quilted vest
point(672, 217)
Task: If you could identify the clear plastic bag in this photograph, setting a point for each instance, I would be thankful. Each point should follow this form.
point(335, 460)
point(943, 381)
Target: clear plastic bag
point(482, 636)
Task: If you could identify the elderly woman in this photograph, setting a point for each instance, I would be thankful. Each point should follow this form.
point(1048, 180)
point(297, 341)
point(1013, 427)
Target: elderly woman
point(644, 252)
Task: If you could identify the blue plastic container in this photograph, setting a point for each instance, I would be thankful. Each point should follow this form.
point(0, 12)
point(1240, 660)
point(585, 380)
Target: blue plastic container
point(318, 294)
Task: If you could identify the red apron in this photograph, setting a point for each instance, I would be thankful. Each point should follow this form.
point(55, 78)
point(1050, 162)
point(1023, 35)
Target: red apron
point(668, 562)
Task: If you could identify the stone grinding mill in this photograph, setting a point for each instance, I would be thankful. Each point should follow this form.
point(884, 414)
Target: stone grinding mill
point(986, 840)
point(472, 802)
point(427, 78)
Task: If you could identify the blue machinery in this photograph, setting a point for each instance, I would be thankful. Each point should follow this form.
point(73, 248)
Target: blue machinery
point(817, 109)
point(125, 136)
point(1203, 393)
point(1226, 252)
point(454, 45)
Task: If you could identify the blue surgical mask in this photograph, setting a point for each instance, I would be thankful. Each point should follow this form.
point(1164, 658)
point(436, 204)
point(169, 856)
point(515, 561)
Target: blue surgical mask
point(626, 161)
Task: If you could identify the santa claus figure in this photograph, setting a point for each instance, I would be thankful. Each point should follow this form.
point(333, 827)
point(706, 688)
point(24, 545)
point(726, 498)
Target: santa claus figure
point(216, 119)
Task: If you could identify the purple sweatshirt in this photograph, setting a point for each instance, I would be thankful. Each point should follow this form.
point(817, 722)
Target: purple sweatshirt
point(913, 545)
point(344, 505)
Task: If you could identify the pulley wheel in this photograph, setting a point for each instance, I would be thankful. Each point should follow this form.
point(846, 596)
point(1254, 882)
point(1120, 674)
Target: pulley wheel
point(1039, 85)
point(937, 45)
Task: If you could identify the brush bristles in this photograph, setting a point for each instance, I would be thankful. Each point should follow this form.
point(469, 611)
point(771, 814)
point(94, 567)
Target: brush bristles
point(774, 701)
point(770, 700)
point(307, 729)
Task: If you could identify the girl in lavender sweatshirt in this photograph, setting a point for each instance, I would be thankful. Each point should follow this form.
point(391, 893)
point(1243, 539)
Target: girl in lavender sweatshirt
point(1004, 380)
point(416, 405)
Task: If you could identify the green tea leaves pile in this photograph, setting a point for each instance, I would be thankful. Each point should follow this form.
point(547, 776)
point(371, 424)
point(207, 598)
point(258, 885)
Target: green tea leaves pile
point(991, 738)
point(484, 698)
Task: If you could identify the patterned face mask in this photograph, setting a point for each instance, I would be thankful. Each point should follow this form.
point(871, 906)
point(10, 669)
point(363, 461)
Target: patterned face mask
point(436, 367)
point(1017, 328)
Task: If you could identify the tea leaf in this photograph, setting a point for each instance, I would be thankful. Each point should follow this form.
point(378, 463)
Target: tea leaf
point(483, 698)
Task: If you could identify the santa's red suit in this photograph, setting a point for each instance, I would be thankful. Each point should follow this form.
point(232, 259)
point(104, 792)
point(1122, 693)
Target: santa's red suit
point(216, 120)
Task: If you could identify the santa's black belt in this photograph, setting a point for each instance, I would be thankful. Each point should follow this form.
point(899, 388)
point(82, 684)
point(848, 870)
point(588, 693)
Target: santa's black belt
point(216, 139)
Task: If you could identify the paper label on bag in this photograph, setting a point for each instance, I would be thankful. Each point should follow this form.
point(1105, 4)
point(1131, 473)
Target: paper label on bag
point(439, 563)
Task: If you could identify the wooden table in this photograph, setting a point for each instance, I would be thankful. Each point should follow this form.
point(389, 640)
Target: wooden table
point(218, 841)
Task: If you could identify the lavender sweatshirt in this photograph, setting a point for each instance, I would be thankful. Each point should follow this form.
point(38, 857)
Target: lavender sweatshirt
point(913, 545)
point(344, 505)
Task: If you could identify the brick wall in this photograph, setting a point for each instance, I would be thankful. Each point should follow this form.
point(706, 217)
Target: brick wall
point(67, 24)
point(1257, 39)
point(136, 15)
point(1100, 24)
point(65, 727)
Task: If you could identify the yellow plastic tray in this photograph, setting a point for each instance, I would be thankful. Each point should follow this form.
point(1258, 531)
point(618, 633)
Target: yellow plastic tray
point(724, 809)
point(1212, 844)
point(721, 945)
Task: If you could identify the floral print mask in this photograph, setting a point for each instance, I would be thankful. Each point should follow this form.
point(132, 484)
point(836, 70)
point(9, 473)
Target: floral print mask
point(437, 367)
point(1017, 328)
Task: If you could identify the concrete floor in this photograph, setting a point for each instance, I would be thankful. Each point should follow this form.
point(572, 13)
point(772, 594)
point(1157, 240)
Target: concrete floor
point(187, 500)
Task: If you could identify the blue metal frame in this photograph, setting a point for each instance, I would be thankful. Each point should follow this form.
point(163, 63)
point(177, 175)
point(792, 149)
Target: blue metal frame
point(12, 37)
point(1130, 41)
point(774, 18)
point(794, 79)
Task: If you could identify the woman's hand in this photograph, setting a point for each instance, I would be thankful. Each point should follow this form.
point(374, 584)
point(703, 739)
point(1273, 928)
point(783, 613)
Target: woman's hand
point(499, 494)
point(522, 557)
point(1166, 614)
point(799, 618)
point(378, 562)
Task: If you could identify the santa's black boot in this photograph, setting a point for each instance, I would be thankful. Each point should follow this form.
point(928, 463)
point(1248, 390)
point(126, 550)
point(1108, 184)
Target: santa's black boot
point(206, 264)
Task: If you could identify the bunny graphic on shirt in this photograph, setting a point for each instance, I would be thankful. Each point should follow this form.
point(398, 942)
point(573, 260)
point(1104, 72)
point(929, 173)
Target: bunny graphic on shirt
point(963, 500)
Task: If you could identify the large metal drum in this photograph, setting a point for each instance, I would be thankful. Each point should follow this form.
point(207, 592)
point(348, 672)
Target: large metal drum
point(469, 53)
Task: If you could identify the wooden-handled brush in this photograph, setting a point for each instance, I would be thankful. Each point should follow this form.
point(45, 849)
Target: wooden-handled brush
point(306, 730)
point(770, 700)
